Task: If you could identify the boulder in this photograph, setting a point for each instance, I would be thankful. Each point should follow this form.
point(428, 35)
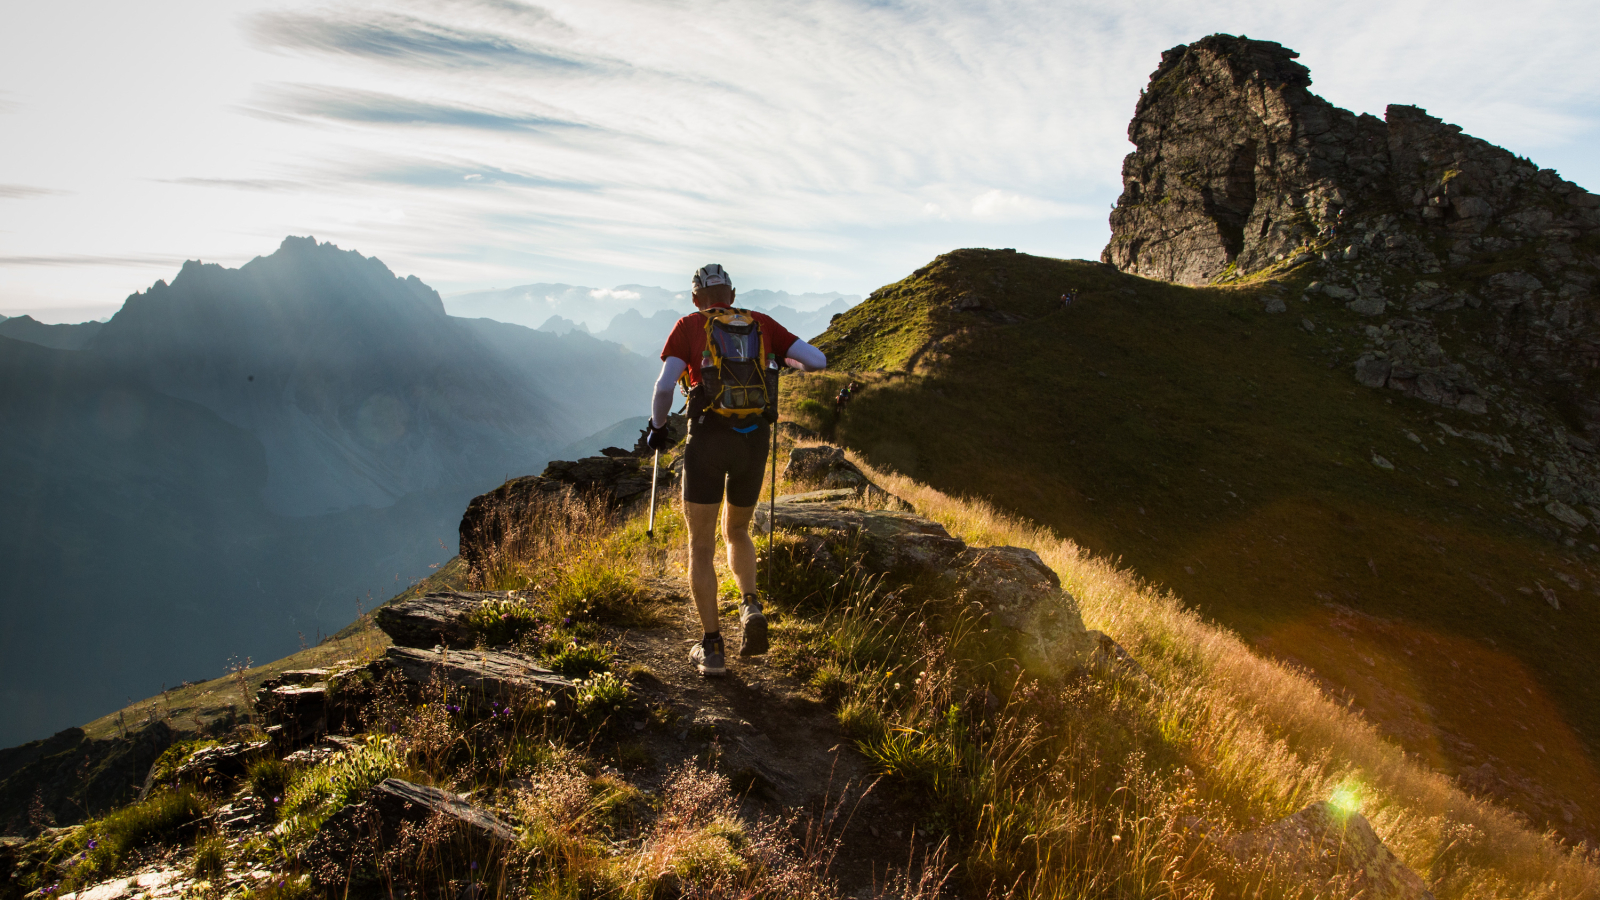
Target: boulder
point(1012, 586)
point(1018, 592)
point(1010, 582)
point(483, 677)
point(823, 464)
point(350, 844)
point(300, 706)
point(1566, 515)
point(904, 544)
point(827, 466)
point(434, 620)
point(1368, 305)
point(1372, 371)
point(1323, 843)
point(295, 713)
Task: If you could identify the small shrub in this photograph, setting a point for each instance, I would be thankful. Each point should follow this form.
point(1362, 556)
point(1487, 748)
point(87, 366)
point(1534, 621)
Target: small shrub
point(860, 721)
point(167, 764)
point(814, 414)
point(831, 684)
point(269, 778)
point(709, 856)
point(502, 620)
point(101, 845)
point(596, 589)
point(601, 695)
point(325, 787)
point(577, 660)
point(918, 759)
point(210, 858)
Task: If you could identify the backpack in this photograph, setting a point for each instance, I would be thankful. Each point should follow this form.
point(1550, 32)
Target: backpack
point(733, 382)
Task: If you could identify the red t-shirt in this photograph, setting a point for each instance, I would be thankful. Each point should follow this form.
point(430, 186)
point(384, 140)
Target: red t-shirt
point(688, 340)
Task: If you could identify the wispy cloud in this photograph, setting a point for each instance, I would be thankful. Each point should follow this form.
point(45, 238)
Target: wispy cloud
point(87, 260)
point(372, 107)
point(238, 184)
point(406, 40)
point(22, 191)
point(456, 175)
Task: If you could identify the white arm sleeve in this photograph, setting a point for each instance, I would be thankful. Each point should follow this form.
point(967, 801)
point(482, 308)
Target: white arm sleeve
point(661, 401)
point(806, 358)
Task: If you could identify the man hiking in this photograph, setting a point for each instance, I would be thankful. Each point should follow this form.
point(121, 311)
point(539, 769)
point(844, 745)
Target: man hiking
point(727, 359)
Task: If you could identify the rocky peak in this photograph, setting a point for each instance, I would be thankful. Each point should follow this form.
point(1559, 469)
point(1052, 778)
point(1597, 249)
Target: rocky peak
point(1239, 167)
point(1475, 266)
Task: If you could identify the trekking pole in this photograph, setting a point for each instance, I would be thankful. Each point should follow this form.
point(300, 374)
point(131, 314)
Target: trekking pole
point(772, 503)
point(655, 471)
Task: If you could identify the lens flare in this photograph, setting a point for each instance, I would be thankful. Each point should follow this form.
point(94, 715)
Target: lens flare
point(1346, 798)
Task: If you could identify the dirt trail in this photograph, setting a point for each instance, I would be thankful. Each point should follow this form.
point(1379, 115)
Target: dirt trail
point(780, 745)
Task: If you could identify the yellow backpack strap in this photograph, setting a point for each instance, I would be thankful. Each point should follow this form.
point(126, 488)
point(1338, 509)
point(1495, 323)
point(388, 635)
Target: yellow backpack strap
point(711, 344)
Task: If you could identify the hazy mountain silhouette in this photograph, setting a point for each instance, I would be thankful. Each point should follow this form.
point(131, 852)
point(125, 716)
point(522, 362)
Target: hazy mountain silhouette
point(60, 337)
point(241, 455)
point(637, 316)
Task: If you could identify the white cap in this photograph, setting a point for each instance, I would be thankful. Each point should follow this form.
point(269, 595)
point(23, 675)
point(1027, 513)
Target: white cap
point(711, 276)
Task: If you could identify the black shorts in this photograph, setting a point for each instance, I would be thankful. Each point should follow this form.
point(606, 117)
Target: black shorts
point(716, 456)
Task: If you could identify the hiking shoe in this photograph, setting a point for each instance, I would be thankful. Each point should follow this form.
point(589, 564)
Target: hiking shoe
point(755, 627)
point(708, 656)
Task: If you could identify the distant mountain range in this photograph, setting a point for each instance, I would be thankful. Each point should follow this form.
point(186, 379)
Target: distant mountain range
point(61, 337)
point(242, 455)
point(636, 316)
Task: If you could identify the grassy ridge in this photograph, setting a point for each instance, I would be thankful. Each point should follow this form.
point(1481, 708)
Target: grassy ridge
point(1227, 453)
point(1262, 739)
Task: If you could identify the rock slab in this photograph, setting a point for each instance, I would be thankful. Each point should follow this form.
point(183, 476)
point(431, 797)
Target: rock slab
point(436, 619)
point(482, 677)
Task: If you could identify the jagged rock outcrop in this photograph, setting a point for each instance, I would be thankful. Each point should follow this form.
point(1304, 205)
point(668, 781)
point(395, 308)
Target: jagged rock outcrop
point(1331, 848)
point(1473, 268)
point(1239, 166)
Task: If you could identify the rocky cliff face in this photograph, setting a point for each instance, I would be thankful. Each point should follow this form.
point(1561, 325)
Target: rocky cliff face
point(1475, 266)
point(1239, 166)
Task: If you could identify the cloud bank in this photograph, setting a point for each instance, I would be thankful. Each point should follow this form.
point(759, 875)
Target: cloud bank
point(830, 145)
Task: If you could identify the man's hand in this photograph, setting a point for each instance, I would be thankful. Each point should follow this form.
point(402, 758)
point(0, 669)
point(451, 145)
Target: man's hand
point(658, 439)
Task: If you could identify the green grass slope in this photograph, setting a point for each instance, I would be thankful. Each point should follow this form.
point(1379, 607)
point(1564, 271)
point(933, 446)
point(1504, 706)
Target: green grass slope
point(1227, 453)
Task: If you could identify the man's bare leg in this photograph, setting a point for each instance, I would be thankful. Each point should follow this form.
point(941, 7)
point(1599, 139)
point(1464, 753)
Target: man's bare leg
point(702, 521)
point(741, 549)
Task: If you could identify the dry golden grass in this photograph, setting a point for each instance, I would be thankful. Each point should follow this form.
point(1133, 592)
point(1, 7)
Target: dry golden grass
point(1268, 733)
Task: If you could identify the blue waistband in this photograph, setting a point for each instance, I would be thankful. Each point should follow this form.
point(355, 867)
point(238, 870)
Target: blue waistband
point(748, 430)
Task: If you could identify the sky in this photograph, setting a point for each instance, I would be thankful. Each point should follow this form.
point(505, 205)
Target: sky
point(807, 146)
